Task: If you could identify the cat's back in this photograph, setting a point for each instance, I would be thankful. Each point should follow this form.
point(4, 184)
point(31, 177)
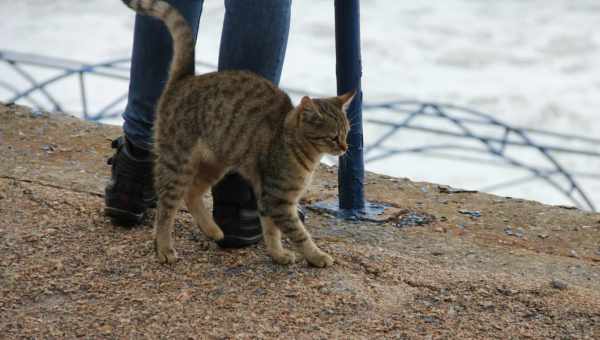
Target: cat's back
point(232, 111)
point(242, 86)
point(220, 94)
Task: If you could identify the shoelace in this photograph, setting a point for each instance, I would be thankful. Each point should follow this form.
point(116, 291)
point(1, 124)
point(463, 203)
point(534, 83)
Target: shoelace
point(115, 144)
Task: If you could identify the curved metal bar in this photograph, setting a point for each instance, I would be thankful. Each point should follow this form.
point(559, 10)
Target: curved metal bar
point(104, 111)
point(32, 81)
point(387, 152)
point(468, 133)
point(41, 85)
point(492, 139)
point(406, 121)
point(535, 173)
point(16, 91)
point(397, 107)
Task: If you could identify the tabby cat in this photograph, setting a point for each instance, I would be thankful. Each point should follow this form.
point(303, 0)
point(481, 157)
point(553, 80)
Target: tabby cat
point(211, 124)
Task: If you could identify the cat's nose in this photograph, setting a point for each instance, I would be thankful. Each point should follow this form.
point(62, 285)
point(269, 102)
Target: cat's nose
point(344, 147)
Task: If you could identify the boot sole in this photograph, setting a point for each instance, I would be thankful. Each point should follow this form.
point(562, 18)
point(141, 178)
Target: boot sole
point(123, 217)
point(234, 241)
point(230, 241)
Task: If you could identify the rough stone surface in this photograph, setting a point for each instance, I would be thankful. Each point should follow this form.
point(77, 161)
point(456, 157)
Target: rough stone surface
point(65, 271)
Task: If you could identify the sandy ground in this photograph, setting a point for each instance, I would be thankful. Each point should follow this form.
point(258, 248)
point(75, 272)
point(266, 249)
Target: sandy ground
point(430, 269)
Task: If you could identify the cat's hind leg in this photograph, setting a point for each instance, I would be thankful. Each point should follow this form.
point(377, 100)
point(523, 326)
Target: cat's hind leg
point(196, 207)
point(206, 171)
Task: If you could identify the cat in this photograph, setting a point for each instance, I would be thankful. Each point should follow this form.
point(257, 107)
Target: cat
point(208, 125)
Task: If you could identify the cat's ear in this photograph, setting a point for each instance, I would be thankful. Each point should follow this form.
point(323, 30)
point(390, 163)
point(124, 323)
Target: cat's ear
point(346, 99)
point(306, 103)
point(308, 110)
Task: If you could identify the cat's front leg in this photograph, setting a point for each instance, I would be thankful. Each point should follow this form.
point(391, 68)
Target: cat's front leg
point(314, 255)
point(272, 237)
point(287, 220)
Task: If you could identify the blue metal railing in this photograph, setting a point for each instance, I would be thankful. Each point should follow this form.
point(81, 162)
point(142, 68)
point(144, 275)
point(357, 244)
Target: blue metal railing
point(495, 143)
point(490, 141)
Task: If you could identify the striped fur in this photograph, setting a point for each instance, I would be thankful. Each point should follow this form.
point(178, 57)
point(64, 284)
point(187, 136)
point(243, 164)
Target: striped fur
point(211, 124)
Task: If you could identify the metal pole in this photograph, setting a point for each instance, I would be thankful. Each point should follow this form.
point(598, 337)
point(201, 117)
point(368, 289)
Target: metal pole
point(349, 72)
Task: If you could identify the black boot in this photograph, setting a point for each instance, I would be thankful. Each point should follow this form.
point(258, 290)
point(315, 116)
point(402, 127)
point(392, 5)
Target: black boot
point(235, 211)
point(130, 192)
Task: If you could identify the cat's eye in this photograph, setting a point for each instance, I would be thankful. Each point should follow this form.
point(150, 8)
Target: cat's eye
point(334, 139)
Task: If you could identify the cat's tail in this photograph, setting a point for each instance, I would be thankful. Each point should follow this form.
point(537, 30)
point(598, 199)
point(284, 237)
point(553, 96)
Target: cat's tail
point(182, 64)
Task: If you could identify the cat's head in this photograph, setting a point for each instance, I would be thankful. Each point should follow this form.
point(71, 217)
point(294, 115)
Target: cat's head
point(323, 122)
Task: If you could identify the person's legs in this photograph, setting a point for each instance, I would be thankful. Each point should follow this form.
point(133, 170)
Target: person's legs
point(254, 38)
point(129, 192)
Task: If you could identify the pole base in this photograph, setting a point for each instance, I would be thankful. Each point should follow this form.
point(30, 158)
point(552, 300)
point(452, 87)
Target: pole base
point(372, 212)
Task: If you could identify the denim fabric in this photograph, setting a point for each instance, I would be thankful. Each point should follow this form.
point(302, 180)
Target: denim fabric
point(254, 38)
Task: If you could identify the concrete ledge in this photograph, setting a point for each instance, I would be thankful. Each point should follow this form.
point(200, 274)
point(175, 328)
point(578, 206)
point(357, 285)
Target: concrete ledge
point(441, 264)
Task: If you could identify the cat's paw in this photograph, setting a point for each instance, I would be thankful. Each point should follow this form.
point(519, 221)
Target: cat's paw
point(320, 259)
point(215, 233)
point(165, 254)
point(284, 257)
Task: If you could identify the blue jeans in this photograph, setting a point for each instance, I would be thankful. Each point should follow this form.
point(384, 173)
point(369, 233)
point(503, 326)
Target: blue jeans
point(254, 38)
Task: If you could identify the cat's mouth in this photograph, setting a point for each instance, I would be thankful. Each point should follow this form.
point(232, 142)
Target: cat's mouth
point(342, 148)
point(339, 152)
